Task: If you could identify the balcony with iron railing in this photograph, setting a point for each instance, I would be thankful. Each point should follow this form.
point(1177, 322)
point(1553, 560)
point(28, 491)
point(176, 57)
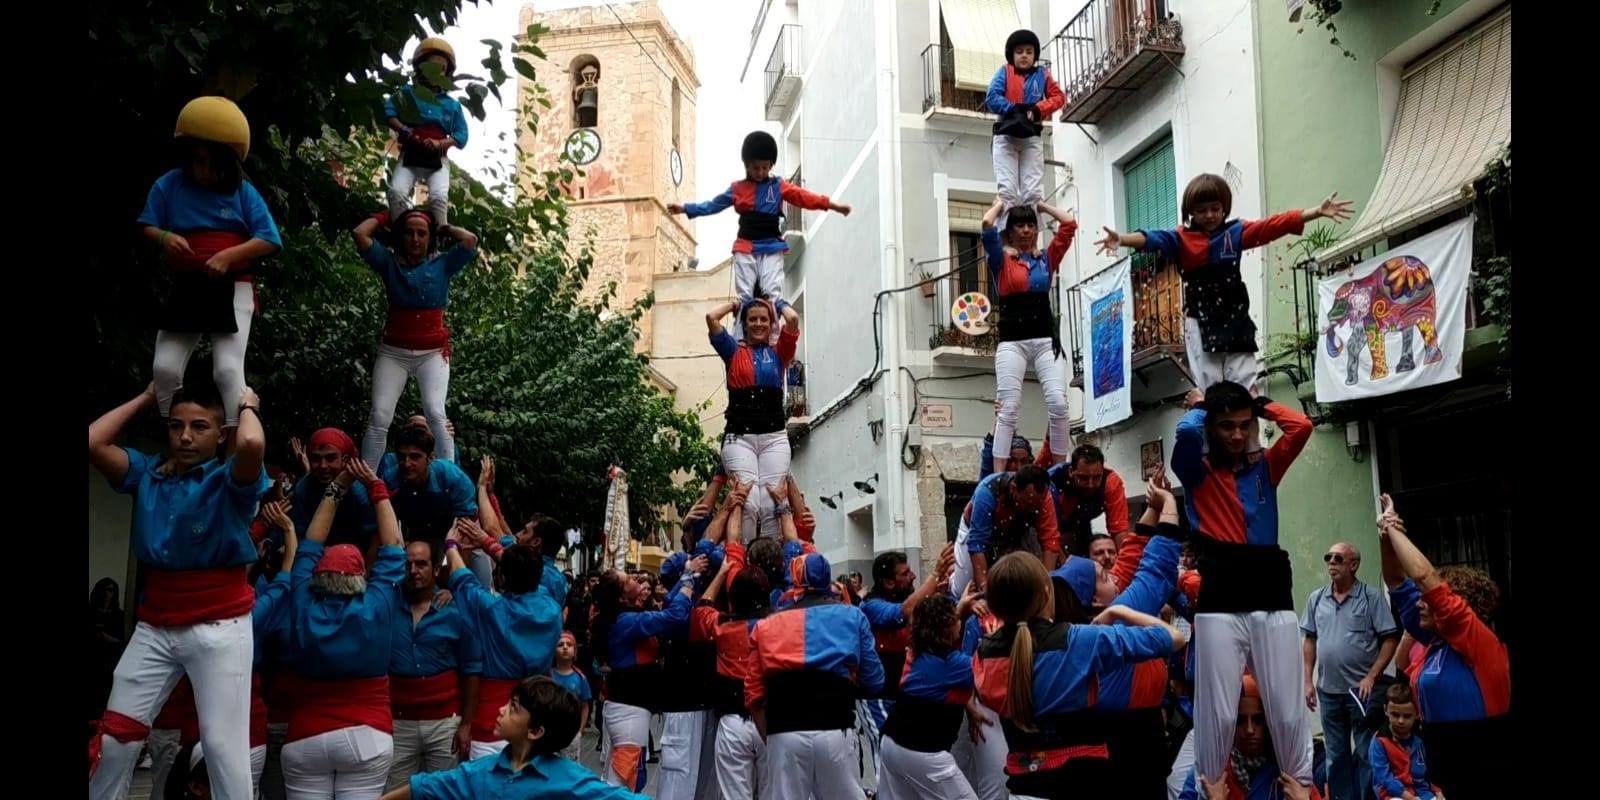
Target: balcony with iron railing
point(783, 73)
point(939, 91)
point(1111, 49)
point(1158, 359)
point(794, 227)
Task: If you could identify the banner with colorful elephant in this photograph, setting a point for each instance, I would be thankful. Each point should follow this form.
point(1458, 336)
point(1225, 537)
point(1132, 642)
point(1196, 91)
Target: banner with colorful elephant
point(1395, 322)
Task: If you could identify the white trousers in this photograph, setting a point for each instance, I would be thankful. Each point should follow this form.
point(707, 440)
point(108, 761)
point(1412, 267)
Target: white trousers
point(764, 459)
point(1180, 767)
point(1018, 172)
point(758, 276)
point(741, 755)
point(216, 655)
point(481, 749)
point(1011, 360)
point(389, 374)
point(627, 738)
point(1209, 368)
point(807, 765)
point(346, 764)
point(962, 575)
point(422, 746)
point(912, 775)
point(984, 765)
point(227, 356)
point(403, 183)
point(163, 744)
point(1269, 643)
point(688, 767)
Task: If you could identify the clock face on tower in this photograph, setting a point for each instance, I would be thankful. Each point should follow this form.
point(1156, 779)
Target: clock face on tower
point(675, 167)
point(582, 146)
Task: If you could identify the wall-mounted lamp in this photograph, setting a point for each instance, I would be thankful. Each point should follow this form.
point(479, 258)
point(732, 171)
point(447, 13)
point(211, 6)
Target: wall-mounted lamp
point(866, 485)
point(832, 500)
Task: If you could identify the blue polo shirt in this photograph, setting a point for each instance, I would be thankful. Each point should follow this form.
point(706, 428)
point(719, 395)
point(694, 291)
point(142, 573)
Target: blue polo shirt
point(574, 682)
point(517, 632)
point(353, 523)
point(441, 641)
point(545, 776)
point(176, 204)
point(199, 519)
point(420, 287)
point(335, 638)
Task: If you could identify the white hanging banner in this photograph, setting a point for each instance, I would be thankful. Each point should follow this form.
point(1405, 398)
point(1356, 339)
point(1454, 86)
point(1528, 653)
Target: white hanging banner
point(1108, 362)
point(616, 527)
point(1397, 321)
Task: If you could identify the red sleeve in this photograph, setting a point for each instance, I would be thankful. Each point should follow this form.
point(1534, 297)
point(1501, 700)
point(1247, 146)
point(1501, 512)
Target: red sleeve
point(733, 552)
point(494, 548)
point(1189, 584)
point(703, 624)
point(788, 342)
point(1060, 243)
point(1049, 535)
point(1116, 504)
point(1262, 231)
point(1053, 98)
point(1043, 461)
point(755, 680)
point(494, 503)
point(1296, 433)
point(1129, 553)
point(802, 198)
point(1464, 632)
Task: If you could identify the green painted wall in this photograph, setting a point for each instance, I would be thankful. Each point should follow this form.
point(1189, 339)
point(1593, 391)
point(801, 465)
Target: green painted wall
point(1320, 134)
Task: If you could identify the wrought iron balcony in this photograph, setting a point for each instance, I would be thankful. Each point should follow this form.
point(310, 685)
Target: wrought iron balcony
point(1111, 49)
point(783, 73)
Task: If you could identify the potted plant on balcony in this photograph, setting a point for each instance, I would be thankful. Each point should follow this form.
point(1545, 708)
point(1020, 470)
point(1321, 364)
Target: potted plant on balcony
point(929, 288)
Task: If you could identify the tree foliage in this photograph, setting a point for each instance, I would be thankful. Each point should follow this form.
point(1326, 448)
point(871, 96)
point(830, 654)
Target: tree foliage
point(547, 383)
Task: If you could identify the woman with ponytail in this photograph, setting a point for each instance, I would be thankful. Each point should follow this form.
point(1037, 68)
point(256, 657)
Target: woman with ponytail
point(625, 640)
point(1037, 674)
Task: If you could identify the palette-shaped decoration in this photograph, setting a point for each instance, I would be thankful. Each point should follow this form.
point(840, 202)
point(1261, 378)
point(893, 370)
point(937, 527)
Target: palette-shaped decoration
point(970, 313)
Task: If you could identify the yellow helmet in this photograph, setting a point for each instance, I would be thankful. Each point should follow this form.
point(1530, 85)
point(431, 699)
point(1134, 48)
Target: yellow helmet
point(432, 45)
point(215, 119)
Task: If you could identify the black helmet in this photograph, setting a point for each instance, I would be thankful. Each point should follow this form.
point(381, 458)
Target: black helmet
point(1017, 39)
point(759, 146)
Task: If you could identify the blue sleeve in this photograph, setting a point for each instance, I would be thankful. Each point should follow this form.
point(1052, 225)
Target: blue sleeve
point(1118, 645)
point(469, 651)
point(243, 496)
point(389, 111)
point(1188, 450)
point(470, 595)
point(256, 216)
point(971, 634)
point(390, 567)
point(1156, 578)
point(982, 523)
point(458, 125)
point(584, 693)
point(993, 252)
point(1404, 599)
point(1164, 242)
point(635, 625)
point(271, 604)
point(584, 785)
point(1382, 618)
point(305, 560)
point(883, 614)
point(712, 206)
point(451, 784)
point(463, 492)
point(155, 206)
point(508, 540)
point(1382, 774)
point(986, 464)
point(724, 344)
point(995, 99)
point(870, 670)
point(138, 464)
point(456, 259)
point(381, 261)
point(1191, 790)
point(1308, 620)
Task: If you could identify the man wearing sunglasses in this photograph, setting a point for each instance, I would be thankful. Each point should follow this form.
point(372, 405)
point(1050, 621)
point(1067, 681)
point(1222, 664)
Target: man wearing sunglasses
point(1350, 635)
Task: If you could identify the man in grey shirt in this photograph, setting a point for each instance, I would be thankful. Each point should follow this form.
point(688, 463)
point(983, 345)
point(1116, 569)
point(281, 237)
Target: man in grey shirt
point(1350, 632)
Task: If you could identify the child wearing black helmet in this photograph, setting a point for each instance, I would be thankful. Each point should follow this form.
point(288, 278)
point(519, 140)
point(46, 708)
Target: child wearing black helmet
point(1023, 95)
point(759, 198)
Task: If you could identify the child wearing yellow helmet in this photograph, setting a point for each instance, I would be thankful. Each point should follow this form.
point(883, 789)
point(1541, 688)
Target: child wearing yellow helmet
point(428, 123)
point(211, 226)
